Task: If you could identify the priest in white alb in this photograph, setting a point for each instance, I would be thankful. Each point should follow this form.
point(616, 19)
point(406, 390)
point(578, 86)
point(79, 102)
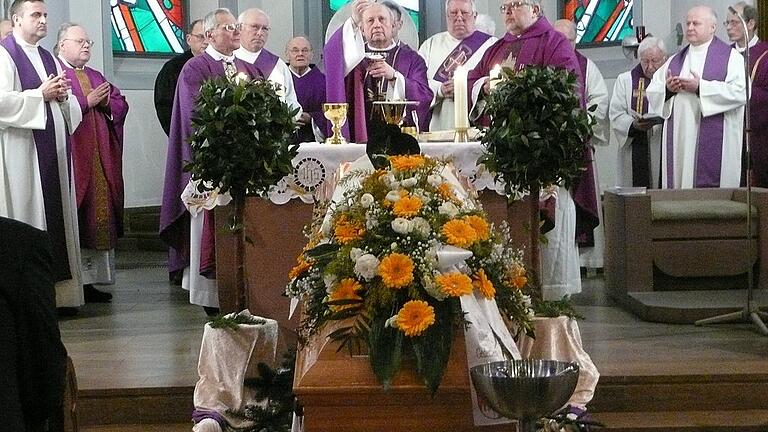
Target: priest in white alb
point(37, 113)
point(700, 93)
point(461, 45)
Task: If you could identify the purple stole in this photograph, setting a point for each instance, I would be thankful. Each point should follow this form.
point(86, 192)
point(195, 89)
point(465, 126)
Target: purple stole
point(637, 75)
point(460, 54)
point(709, 145)
point(47, 158)
point(266, 62)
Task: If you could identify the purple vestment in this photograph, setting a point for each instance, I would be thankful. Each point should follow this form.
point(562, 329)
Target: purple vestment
point(310, 92)
point(758, 106)
point(342, 88)
point(709, 145)
point(100, 131)
point(460, 54)
point(542, 45)
point(174, 217)
point(47, 159)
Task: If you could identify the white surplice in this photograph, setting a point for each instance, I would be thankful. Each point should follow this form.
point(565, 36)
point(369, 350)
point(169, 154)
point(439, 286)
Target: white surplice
point(434, 51)
point(603, 162)
point(21, 194)
point(715, 97)
point(622, 114)
point(560, 272)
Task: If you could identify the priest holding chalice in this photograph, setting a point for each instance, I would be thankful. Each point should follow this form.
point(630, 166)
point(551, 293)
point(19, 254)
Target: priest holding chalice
point(370, 65)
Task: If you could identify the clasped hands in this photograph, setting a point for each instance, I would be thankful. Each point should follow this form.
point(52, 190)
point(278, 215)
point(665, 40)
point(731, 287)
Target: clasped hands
point(676, 84)
point(56, 87)
point(99, 96)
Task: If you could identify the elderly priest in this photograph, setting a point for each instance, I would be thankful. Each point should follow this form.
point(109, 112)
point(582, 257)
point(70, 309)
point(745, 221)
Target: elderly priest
point(377, 69)
point(700, 92)
point(461, 45)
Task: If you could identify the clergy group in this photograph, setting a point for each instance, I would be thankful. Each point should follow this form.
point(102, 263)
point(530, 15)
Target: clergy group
point(678, 118)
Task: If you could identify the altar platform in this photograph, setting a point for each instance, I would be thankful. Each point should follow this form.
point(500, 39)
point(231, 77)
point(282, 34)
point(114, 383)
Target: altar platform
point(136, 363)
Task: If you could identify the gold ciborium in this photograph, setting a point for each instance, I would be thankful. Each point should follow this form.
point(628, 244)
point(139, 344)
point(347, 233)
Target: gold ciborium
point(393, 112)
point(336, 113)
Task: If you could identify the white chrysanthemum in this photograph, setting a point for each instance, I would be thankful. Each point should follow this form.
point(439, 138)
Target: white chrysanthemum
point(391, 322)
point(367, 266)
point(435, 180)
point(329, 280)
point(356, 253)
point(449, 209)
point(432, 289)
point(393, 196)
point(366, 200)
point(402, 225)
point(409, 182)
point(421, 226)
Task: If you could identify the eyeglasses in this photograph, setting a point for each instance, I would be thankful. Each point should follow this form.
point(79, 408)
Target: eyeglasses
point(463, 14)
point(232, 27)
point(732, 23)
point(257, 28)
point(199, 36)
point(508, 7)
point(297, 51)
point(82, 42)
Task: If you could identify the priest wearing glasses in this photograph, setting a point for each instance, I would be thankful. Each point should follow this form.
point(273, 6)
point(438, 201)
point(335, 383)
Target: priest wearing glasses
point(187, 237)
point(367, 64)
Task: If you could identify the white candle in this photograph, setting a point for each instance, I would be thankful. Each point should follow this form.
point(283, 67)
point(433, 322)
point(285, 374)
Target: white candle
point(461, 118)
point(495, 76)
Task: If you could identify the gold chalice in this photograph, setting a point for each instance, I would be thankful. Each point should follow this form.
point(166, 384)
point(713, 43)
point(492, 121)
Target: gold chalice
point(393, 112)
point(336, 113)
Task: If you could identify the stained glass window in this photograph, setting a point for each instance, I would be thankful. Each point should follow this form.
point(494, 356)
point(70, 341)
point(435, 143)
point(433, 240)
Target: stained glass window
point(599, 21)
point(411, 6)
point(147, 26)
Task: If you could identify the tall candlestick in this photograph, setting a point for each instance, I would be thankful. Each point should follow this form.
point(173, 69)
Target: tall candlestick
point(461, 118)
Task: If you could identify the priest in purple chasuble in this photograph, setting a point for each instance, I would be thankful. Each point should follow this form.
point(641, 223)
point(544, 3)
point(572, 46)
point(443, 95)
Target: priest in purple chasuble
point(461, 45)
point(191, 240)
point(700, 93)
point(37, 114)
point(254, 34)
point(364, 63)
point(595, 93)
point(532, 41)
point(638, 138)
point(97, 156)
point(309, 83)
point(758, 99)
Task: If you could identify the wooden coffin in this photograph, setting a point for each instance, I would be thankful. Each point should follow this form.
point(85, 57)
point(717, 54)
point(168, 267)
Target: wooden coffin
point(340, 393)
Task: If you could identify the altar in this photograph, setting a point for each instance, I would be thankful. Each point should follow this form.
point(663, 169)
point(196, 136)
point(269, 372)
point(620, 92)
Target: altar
point(272, 229)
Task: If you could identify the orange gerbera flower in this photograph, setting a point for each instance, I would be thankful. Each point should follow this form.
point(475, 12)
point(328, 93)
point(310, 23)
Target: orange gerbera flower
point(415, 317)
point(480, 225)
point(459, 233)
point(407, 206)
point(446, 191)
point(406, 162)
point(483, 284)
point(345, 290)
point(519, 281)
point(396, 270)
point(347, 231)
point(454, 284)
point(299, 269)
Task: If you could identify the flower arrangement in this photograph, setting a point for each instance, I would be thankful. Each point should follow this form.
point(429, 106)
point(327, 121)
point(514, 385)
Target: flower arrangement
point(391, 259)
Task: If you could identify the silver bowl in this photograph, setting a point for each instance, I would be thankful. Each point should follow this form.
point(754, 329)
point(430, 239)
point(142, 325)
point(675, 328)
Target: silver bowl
point(526, 390)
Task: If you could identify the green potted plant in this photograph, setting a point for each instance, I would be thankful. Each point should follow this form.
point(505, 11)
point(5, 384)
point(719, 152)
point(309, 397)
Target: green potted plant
point(241, 144)
point(537, 137)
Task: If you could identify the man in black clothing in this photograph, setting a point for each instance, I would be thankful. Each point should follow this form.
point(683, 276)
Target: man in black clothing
point(165, 84)
point(32, 356)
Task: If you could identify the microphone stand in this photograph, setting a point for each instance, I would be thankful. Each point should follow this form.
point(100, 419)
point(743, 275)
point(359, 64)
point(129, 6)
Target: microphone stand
point(751, 311)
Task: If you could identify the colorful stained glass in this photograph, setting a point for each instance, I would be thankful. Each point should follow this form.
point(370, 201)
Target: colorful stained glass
point(599, 21)
point(147, 26)
point(411, 6)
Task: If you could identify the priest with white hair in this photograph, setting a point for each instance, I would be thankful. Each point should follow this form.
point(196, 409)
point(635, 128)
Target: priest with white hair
point(461, 45)
point(700, 93)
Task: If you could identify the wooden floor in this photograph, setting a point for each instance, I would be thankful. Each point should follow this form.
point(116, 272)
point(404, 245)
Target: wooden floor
point(149, 338)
